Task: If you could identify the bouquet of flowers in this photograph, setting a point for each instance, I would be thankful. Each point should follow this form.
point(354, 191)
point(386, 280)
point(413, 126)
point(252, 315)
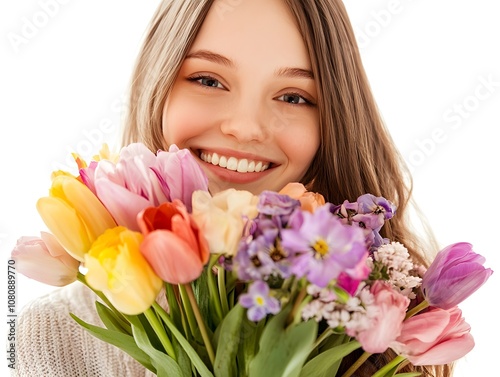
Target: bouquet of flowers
point(236, 284)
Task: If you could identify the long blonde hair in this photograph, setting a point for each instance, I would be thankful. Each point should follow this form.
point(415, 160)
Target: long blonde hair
point(356, 153)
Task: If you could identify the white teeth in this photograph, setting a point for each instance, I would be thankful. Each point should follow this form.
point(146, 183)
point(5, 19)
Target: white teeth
point(215, 159)
point(243, 166)
point(232, 163)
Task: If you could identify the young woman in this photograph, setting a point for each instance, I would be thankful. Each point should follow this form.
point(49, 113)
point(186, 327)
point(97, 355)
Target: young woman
point(263, 92)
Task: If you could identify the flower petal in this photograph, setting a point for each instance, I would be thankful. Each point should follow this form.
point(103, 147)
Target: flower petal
point(171, 257)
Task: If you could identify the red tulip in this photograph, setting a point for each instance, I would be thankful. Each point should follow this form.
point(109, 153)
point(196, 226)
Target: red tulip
point(435, 337)
point(173, 244)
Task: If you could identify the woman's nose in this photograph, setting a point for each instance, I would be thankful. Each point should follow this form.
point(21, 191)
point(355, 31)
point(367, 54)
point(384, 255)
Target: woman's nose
point(246, 124)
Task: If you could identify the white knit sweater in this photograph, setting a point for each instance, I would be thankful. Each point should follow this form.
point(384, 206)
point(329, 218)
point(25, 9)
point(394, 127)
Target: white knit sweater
point(50, 343)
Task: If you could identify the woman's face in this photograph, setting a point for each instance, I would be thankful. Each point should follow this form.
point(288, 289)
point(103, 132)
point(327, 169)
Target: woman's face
point(244, 101)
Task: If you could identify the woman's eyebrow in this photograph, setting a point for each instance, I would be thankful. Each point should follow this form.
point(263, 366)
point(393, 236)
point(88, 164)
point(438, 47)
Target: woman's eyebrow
point(212, 57)
point(295, 72)
point(221, 59)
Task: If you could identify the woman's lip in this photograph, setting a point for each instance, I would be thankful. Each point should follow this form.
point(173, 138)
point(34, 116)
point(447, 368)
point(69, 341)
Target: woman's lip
point(234, 153)
point(232, 176)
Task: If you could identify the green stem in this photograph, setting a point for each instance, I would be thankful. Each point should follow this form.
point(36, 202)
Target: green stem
point(322, 337)
point(296, 306)
point(201, 322)
point(188, 309)
point(221, 280)
point(395, 362)
point(212, 288)
point(424, 304)
point(160, 332)
point(195, 358)
point(354, 367)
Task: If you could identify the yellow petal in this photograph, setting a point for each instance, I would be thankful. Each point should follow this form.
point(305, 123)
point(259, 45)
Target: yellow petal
point(92, 212)
point(65, 224)
point(117, 268)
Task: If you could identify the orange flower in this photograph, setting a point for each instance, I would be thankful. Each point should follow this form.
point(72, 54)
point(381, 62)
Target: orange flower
point(309, 201)
point(173, 244)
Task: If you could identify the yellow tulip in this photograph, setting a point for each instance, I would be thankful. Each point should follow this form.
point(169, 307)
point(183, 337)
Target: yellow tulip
point(74, 215)
point(117, 268)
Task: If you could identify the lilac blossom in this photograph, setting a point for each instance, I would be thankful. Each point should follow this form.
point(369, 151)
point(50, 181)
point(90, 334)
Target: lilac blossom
point(260, 255)
point(253, 260)
point(324, 247)
point(369, 203)
point(369, 213)
point(258, 301)
point(271, 203)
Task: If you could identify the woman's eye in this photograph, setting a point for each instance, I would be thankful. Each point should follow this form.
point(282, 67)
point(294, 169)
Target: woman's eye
point(207, 81)
point(293, 99)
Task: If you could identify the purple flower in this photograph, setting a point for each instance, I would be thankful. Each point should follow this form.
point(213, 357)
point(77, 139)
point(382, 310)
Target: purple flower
point(369, 203)
point(455, 274)
point(258, 302)
point(274, 204)
point(262, 256)
point(368, 213)
point(324, 247)
point(372, 212)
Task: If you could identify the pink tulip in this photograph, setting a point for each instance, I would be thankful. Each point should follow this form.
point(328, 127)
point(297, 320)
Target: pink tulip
point(387, 326)
point(129, 186)
point(173, 244)
point(456, 273)
point(141, 179)
point(434, 337)
point(179, 174)
point(45, 260)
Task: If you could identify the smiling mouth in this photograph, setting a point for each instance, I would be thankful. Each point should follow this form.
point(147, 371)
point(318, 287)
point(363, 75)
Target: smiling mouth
point(241, 165)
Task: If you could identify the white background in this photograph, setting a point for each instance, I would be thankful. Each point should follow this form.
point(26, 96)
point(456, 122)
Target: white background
point(62, 90)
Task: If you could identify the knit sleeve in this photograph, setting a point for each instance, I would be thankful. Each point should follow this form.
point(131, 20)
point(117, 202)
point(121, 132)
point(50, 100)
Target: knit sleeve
point(51, 343)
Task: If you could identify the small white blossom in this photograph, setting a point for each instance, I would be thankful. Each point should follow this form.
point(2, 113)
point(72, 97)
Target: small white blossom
point(396, 259)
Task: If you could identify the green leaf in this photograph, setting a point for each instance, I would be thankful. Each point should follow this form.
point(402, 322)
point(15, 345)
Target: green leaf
point(283, 350)
point(123, 341)
point(410, 374)
point(228, 342)
point(110, 320)
point(249, 345)
point(164, 364)
point(327, 363)
point(183, 360)
point(193, 355)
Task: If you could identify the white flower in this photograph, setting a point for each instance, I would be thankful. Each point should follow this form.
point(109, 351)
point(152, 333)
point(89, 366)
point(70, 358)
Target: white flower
point(398, 265)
